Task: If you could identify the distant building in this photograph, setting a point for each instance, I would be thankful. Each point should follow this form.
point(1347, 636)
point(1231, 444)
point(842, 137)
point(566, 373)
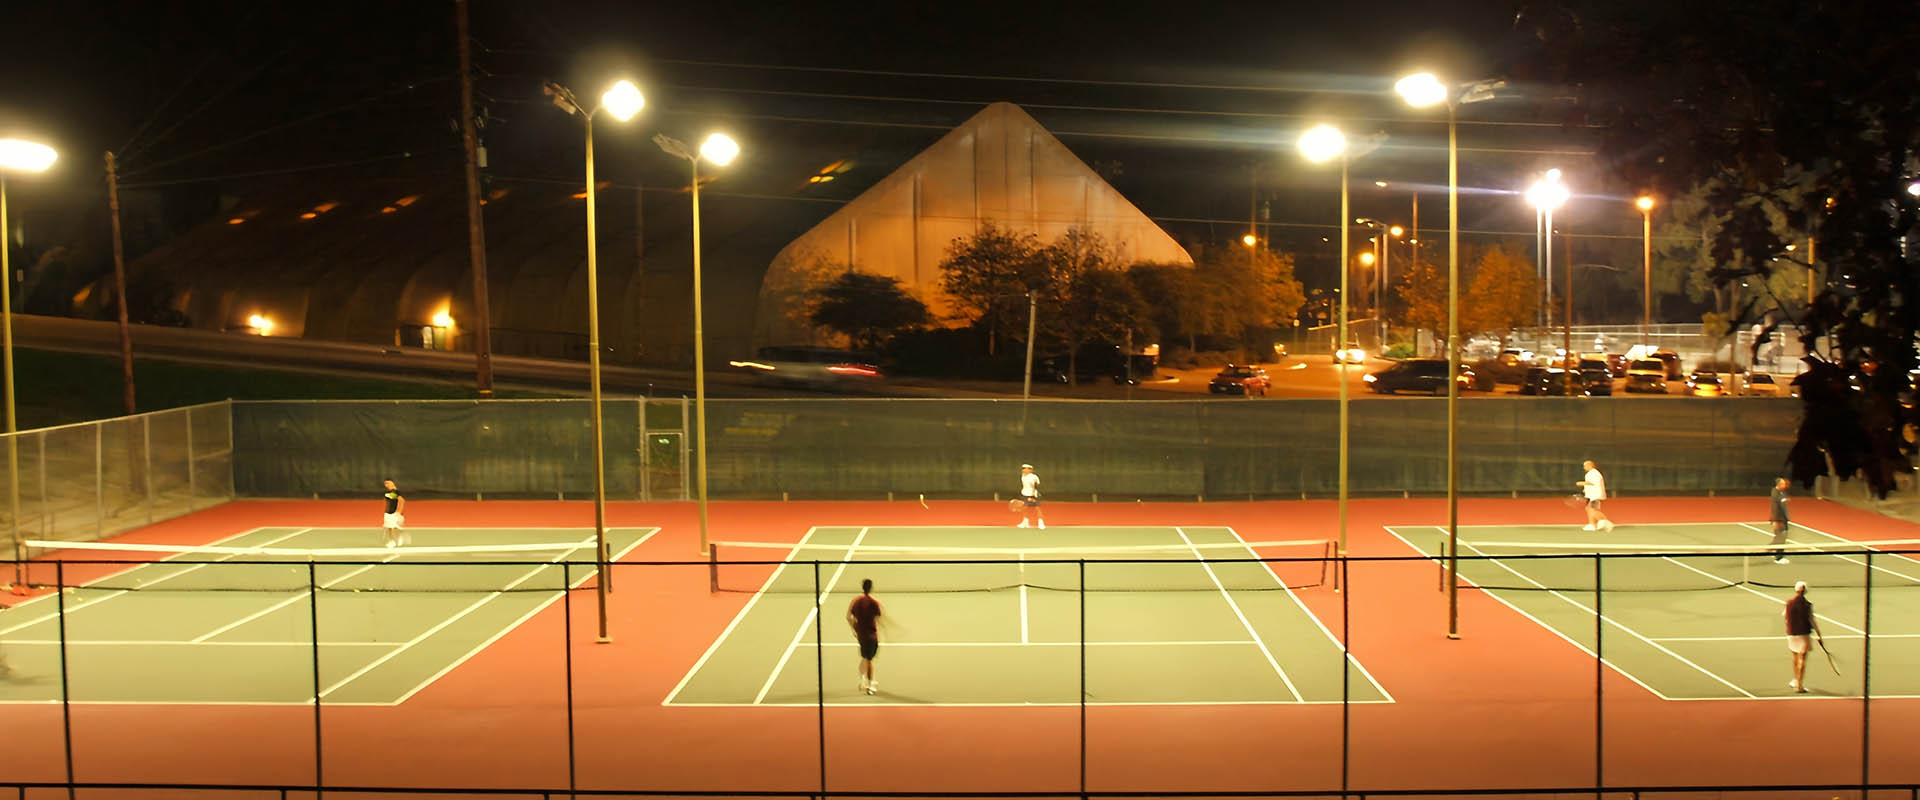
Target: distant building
point(1000, 166)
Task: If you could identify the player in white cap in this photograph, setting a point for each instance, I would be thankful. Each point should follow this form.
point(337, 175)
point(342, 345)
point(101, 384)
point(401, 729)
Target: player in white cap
point(1030, 497)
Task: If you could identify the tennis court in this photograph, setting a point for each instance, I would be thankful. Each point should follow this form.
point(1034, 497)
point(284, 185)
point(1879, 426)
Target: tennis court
point(987, 616)
point(236, 622)
point(1694, 611)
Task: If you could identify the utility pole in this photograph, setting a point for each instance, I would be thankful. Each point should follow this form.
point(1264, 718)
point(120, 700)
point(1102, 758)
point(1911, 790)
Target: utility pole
point(120, 283)
point(476, 237)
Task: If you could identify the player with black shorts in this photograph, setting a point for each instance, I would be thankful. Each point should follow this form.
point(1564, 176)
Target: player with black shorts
point(863, 614)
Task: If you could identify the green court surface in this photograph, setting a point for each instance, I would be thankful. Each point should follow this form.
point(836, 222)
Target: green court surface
point(240, 629)
point(1688, 621)
point(1164, 628)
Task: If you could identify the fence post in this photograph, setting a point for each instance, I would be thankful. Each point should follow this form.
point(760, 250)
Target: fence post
point(1866, 682)
point(645, 455)
point(146, 454)
point(313, 622)
point(1083, 678)
point(99, 481)
point(193, 464)
point(66, 686)
point(819, 669)
point(566, 636)
point(1599, 680)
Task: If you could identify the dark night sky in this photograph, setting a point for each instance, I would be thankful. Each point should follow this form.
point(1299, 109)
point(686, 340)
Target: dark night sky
point(1182, 97)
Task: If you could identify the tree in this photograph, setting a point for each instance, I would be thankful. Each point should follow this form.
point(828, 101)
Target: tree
point(1089, 299)
point(1176, 298)
point(1787, 95)
point(868, 309)
point(1505, 294)
point(989, 274)
point(1238, 289)
point(1424, 291)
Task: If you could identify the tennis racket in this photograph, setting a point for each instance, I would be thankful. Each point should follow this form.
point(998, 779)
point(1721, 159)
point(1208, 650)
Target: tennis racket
point(1016, 504)
point(1576, 500)
point(1823, 649)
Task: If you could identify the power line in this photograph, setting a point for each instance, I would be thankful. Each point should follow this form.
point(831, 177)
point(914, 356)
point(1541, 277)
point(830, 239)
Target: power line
point(267, 172)
point(217, 96)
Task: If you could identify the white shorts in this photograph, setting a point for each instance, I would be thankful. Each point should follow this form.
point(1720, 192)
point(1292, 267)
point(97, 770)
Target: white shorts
point(1799, 643)
point(393, 521)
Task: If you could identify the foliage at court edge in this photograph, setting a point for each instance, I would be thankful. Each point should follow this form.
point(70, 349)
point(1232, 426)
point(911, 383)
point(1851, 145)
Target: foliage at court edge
point(1761, 103)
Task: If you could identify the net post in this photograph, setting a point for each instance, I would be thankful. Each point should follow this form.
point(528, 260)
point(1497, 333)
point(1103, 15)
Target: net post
point(1442, 563)
point(566, 643)
point(1330, 553)
point(713, 569)
point(820, 678)
point(66, 691)
point(1346, 687)
point(313, 623)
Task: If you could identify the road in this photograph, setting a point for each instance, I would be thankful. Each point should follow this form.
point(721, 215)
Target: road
point(1301, 376)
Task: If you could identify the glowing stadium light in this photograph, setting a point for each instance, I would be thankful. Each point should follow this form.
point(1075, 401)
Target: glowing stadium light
point(1322, 143)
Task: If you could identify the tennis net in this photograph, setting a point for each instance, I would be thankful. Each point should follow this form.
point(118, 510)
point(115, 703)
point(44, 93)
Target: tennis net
point(1655, 567)
point(1238, 566)
point(122, 567)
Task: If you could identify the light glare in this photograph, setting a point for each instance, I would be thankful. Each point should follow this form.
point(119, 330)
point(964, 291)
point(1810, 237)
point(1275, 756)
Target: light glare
point(1645, 203)
point(260, 325)
point(623, 101)
point(719, 149)
point(1549, 193)
point(442, 319)
point(1421, 89)
point(1322, 143)
point(21, 155)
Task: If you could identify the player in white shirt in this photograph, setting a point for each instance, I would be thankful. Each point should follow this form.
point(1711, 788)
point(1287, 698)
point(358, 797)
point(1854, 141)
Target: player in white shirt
point(1030, 496)
point(1594, 488)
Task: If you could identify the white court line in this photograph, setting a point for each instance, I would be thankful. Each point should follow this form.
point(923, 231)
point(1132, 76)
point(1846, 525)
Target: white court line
point(1847, 558)
point(176, 643)
point(764, 586)
point(1162, 643)
point(113, 593)
point(1750, 590)
point(1615, 623)
point(577, 582)
point(1501, 599)
point(1023, 600)
point(811, 612)
point(287, 602)
point(491, 596)
point(1342, 646)
point(1275, 663)
point(1778, 637)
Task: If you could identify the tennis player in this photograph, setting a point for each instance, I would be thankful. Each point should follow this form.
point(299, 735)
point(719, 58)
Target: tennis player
point(1801, 628)
point(863, 615)
point(1030, 495)
point(395, 520)
point(1779, 502)
point(1594, 488)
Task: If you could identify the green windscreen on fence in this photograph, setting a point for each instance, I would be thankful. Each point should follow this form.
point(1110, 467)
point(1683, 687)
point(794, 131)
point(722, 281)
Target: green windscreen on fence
point(867, 448)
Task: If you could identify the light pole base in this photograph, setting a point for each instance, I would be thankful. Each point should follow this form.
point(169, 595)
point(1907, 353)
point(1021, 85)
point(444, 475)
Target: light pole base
point(603, 640)
point(1454, 636)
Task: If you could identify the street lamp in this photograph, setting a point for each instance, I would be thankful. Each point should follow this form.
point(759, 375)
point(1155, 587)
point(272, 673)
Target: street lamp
point(1423, 90)
point(1320, 144)
point(623, 101)
point(1645, 204)
point(16, 155)
point(719, 150)
point(1545, 195)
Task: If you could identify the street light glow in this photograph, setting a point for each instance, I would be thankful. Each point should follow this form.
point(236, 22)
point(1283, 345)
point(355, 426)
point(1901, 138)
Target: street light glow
point(1249, 240)
point(442, 319)
point(1912, 189)
point(1366, 258)
point(719, 149)
point(1396, 231)
point(623, 101)
point(260, 325)
point(1322, 143)
point(21, 155)
point(1548, 193)
point(1645, 203)
point(1421, 89)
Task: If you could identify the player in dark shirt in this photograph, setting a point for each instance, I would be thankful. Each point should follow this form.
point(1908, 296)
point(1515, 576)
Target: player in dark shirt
point(1801, 628)
point(394, 521)
point(863, 614)
point(1779, 504)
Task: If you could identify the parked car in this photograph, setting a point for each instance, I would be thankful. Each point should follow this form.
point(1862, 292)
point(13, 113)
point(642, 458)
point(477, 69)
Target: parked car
point(1353, 353)
point(1599, 382)
point(1705, 384)
point(1760, 384)
point(1554, 382)
point(1647, 376)
point(1672, 360)
point(1424, 375)
point(1617, 364)
point(1239, 379)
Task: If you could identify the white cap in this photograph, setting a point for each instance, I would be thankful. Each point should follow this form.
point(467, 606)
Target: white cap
point(1800, 586)
point(1026, 466)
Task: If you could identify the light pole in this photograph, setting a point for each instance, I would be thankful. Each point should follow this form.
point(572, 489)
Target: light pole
point(720, 150)
point(1422, 90)
point(623, 101)
point(16, 155)
point(1645, 204)
point(1383, 248)
point(1545, 195)
point(1320, 144)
